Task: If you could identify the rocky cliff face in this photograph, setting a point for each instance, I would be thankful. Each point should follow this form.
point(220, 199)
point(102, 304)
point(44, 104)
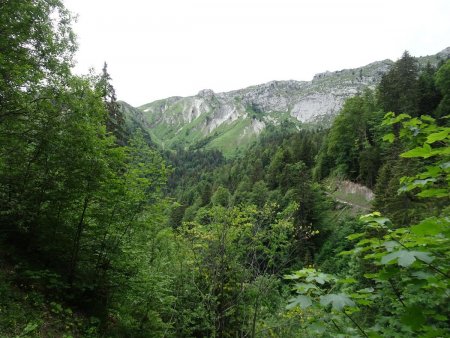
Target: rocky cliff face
point(228, 120)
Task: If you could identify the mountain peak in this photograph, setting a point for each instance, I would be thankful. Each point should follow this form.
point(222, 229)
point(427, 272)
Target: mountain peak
point(206, 93)
point(229, 120)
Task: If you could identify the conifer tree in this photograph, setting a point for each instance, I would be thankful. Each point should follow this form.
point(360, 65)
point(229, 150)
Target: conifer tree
point(115, 123)
point(399, 88)
point(443, 84)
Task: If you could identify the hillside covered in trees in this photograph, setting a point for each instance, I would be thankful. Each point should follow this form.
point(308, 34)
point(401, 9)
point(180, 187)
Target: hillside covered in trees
point(104, 234)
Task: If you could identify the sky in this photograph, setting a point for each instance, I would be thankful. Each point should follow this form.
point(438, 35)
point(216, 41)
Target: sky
point(161, 48)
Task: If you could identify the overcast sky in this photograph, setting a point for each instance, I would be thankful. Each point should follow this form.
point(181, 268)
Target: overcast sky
point(161, 48)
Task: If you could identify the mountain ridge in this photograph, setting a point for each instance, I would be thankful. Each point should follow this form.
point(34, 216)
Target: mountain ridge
point(230, 120)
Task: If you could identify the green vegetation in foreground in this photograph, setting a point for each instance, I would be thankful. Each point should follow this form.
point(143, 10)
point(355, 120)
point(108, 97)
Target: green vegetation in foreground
point(99, 237)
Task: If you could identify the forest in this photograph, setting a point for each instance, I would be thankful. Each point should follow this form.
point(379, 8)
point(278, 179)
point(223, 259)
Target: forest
point(104, 234)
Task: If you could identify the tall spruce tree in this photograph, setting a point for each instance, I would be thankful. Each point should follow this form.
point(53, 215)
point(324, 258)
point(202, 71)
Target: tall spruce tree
point(429, 94)
point(115, 123)
point(399, 88)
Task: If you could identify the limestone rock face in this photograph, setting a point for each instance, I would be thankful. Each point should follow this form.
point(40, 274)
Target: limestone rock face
point(235, 117)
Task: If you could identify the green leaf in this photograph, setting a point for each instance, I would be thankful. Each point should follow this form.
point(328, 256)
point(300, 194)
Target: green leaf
point(427, 118)
point(382, 220)
point(293, 276)
point(349, 280)
point(337, 301)
point(346, 252)
point(355, 236)
point(387, 118)
point(441, 151)
point(424, 152)
point(437, 193)
point(400, 117)
point(317, 328)
point(432, 171)
point(413, 317)
point(384, 274)
point(405, 257)
point(389, 137)
point(395, 256)
point(364, 302)
point(373, 334)
point(320, 279)
point(366, 290)
point(430, 226)
point(423, 182)
point(30, 328)
point(442, 135)
point(423, 256)
point(304, 287)
point(390, 245)
point(422, 274)
point(301, 300)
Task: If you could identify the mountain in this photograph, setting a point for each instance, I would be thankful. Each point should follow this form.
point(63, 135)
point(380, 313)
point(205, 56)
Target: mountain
point(230, 120)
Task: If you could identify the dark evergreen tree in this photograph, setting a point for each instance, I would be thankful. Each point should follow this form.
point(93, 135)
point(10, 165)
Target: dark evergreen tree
point(398, 90)
point(442, 79)
point(429, 94)
point(115, 122)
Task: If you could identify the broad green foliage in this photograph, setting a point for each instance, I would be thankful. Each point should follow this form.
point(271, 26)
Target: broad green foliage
point(407, 267)
point(322, 309)
point(235, 256)
point(100, 238)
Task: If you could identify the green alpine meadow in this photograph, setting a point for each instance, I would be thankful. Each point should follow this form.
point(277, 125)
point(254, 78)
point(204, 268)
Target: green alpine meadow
point(286, 209)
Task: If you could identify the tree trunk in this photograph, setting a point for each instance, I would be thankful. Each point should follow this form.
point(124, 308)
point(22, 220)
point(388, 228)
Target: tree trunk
point(76, 245)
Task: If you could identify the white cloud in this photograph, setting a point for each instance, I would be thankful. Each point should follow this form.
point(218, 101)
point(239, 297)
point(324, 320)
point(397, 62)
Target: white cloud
point(162, 48)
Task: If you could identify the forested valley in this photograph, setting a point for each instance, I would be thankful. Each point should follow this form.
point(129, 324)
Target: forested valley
point(104, 234)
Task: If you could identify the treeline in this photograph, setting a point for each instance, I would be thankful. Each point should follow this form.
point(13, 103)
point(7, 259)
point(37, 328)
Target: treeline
point(264, 172)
